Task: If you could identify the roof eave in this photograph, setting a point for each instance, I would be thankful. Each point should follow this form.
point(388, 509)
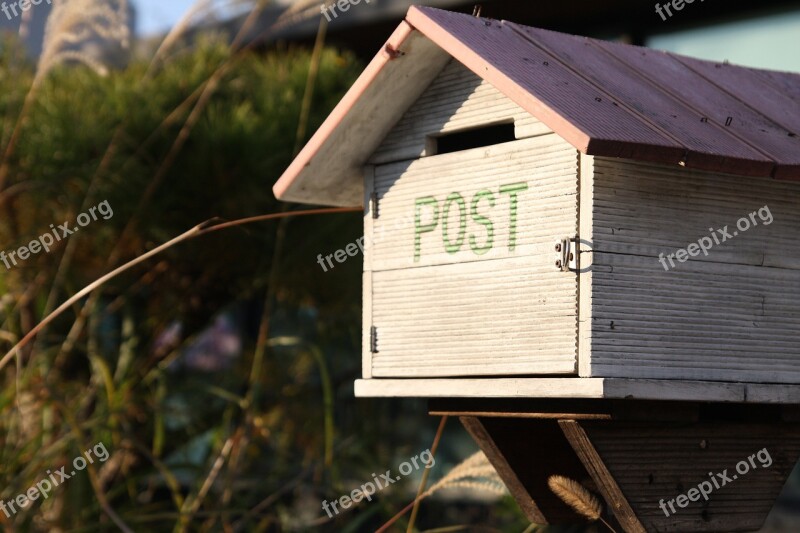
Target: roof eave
point(328, 171)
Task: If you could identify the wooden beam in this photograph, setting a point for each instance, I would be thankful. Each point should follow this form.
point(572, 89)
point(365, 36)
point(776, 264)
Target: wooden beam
point(479, 434)
point(578, 409)
point(603, 479)
point(534, 416)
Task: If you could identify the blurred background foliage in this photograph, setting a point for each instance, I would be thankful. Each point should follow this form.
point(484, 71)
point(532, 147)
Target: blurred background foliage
point(218, 374)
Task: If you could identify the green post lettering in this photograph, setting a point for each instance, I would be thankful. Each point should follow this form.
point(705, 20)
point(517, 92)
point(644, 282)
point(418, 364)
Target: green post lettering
point(513, 189)
point(419, 229)
point(480, 219)
point(462, 230)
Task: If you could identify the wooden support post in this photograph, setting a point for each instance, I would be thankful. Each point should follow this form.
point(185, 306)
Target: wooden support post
point(525, 453)
point(601, 476)
point(506, 472)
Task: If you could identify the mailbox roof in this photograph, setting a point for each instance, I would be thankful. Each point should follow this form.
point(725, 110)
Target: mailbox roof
point(604, 98)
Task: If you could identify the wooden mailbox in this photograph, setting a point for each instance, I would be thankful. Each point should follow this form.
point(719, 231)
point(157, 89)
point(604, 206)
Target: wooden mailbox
point(550, 216)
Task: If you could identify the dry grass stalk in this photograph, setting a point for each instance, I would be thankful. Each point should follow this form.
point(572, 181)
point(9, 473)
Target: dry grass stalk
point(198, 9)
point(201, 229)
point(300, 11)
point(423, 484)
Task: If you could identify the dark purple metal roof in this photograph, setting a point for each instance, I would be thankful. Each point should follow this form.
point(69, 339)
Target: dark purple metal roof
point(621, 100)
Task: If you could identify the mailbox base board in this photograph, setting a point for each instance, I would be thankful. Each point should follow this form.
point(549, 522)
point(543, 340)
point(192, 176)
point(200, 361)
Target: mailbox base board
point(580, 388)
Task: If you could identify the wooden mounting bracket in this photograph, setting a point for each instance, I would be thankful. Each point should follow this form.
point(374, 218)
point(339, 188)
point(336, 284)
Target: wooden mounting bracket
point(638, 457)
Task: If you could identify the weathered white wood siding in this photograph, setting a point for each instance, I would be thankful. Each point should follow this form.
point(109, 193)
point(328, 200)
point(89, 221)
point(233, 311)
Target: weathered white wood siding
point(733, 315)
point(494, 303)
point(456, 100)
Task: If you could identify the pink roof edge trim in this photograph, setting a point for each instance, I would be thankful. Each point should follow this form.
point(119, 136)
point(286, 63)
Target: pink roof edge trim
point(349, 100)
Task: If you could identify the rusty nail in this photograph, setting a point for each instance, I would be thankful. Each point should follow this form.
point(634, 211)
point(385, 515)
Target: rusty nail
point(393, 53)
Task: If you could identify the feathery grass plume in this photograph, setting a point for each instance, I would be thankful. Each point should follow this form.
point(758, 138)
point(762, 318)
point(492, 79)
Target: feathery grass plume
point(74, 21)
point(70, 22)
point(474, 473)
point(578, 498)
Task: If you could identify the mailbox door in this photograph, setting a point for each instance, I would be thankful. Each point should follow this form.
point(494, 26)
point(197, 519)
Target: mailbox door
point(460, 275)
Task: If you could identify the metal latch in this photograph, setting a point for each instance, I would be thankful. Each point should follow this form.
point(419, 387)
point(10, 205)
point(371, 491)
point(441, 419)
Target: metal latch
point(567, 254)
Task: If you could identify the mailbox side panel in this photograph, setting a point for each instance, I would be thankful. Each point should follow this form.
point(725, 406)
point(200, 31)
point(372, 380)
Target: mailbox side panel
point(692, 275)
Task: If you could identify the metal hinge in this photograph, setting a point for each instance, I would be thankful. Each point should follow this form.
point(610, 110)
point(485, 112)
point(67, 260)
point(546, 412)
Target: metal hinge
point(373, 339)
point(373, 199)
point(567, 251)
